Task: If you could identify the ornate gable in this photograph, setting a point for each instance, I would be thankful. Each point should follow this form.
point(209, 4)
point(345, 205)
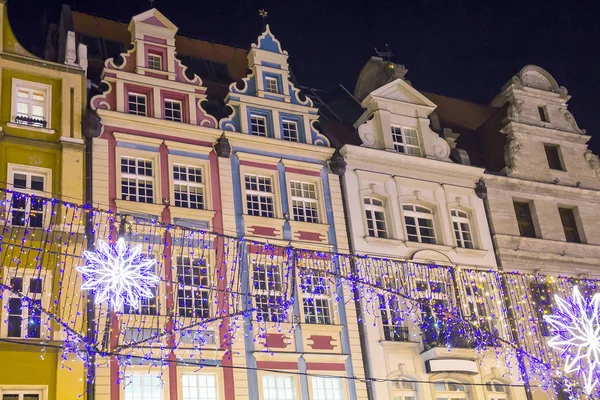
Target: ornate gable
point(266, 103)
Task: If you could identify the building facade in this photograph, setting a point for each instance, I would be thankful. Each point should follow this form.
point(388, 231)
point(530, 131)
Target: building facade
point(41, 163)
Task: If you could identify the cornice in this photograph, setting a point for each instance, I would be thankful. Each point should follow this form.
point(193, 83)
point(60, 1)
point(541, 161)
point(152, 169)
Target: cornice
point(522, 185)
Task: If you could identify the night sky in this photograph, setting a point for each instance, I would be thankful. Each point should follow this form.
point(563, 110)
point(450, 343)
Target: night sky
point(465, 49)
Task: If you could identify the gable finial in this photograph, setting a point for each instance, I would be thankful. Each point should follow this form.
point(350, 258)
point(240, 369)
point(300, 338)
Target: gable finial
point(387, 54)
point(151, 3)
point(264, 14)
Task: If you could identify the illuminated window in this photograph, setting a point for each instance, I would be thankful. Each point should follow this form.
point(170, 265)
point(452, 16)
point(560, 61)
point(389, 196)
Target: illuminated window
point(137, 104)
point(137, 180)
point(173, 110)
point(268, 289)
point(406, 140)
point(27, 206)
point(259, 196)
point(278, 387)
point(271, 84)
point(419, 223)
point(199, 386)
point(375, 214)
point(143, 386)
point(316, 300)
point(304, 202)
point(146, 305)
point(31, 103)
point(446, 390)
point(193, 293)
point(258, 125)
point(155, 62)
point(462, 229)
point(23, 318)
point(326, 389)
point(188, 186)
point(392, 321)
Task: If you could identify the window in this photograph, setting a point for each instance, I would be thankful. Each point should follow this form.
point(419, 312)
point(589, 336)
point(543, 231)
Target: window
point(23, 317)
point(541, 302)
point(290, 130)
point(189, 186)
point(137, 104)
point(27, 210)
point(271, 84)
point(278, 387)
point(553, 157)
point(173, 110)
point(143, 386)
point(315, 298)
point(326, 389)
point(475, 299)
point(155, 61)
point(543, 112)
point(137, 182)
point(199, 387)
point(419, 223)
point(147, 305)
point(496, 391)
point(193, 292)
point(524, 220)
point(268, 289)
point(450, 391)
point(31, 103)
point(304, 202)
point(259, 196)
point(258, 125)
point(406, 140)
point(375, 213)
point(391, 319)
point(9, 394)
point(462, 229)
point(404, 390)
point(567, 217)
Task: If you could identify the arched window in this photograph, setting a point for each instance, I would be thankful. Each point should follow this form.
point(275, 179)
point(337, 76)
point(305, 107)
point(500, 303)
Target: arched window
point(496, 391)
point(447, 390)
point(462, 229)
point(419, 223)
point(403, 390)
point(375, 213)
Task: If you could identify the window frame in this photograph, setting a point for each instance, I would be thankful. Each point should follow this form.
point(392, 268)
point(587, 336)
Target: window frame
point(342, 388)
point(272, 195)
point(269, 80)
point(208, 309)
point(522, 225)
point(398, 131)
point(154, 302)
point(575, 228)
point(137, 103)
point(277, 266)
point(29, 171)
point(150, 62)
point(173, 101)
point(290, 122)
point(144, 372)
point(21, 390)
point(317, 201)
point(495, 395)
point(459, 234)
point(551, 159)
point(450, 394)
point(543, 113)
point(294, 389)
point(369, 214)
point(202, 186)
point(307, 296)
point(402, 393)
point(419, 215)
point(31, 86)
point(258, 117)
point(137, 177)
point(206, 371)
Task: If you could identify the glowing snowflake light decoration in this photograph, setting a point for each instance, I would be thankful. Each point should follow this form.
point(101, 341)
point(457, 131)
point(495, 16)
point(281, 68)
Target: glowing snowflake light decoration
point(118, 273)
point(576, 329)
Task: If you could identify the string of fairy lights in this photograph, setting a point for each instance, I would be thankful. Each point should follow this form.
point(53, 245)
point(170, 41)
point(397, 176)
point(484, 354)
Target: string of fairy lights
point(212, 289)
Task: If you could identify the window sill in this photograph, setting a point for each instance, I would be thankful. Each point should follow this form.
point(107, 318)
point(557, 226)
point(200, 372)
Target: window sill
point(31, 128)
point(440, 247)
point(321, 328)
point(135, 207)
point(394, 344)
point(192, 213)
point(383, 241)
point(470, 252)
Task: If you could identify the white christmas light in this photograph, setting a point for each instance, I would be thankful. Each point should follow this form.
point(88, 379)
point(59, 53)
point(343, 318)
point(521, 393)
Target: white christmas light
point(119, 273)
point(576, 329)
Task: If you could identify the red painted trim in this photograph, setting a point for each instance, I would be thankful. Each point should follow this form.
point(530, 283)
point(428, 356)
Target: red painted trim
point(155, 39)
point(276, 341)
point(111, 129)
point(321, 342)
point(266, 250)
point(263, 230)
point(258, 165)
point(302, 171)
point(154, 21)
point(311, 236)
point(110, 75)
point(112, 171)
point(277, 365)
point(325, 366)
point(159, 51)
point(155, 75)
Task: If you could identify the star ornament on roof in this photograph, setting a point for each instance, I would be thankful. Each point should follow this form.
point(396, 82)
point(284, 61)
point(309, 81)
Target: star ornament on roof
point(118, 273)
point(576, 329)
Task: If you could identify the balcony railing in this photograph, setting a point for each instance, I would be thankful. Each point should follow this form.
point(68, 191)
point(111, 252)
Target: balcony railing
point(30, 121)
point(455, 333)
point(396, 333)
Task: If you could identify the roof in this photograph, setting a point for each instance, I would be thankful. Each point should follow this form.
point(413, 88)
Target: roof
point(456, 113)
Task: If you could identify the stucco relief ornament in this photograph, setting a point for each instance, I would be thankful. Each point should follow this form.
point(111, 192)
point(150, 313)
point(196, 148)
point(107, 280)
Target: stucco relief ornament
point(594, 162)
point(576, 330)
point(515, 109)
point(118, 273)
point(514, 147)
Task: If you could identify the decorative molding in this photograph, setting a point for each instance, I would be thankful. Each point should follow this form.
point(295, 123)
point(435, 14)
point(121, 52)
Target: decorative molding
point(571, 120)
point(512, 155)
point(594, 161)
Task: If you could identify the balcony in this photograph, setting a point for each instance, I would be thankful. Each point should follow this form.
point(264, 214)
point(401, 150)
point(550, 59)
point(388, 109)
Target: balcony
point(396, 333)
point(455, 333)
point(30, 121)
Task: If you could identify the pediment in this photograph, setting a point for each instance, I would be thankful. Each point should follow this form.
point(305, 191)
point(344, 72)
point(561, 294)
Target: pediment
point(399, 90)
point(155, 18)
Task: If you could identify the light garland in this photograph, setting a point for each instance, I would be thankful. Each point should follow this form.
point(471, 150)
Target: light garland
point(118, 273)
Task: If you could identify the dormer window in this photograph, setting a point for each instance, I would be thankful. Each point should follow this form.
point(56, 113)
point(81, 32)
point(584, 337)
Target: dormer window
point(258, 125)
point(155, 62)
point(271, 84)
point(406, 140)
point(543, 112)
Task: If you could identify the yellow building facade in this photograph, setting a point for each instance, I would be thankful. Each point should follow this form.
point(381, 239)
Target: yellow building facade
point(41, 159)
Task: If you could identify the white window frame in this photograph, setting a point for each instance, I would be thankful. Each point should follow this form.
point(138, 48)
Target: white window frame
point(371, 216)
point(173, 110)
point(43, 297)
point(304, 202)
point(494, 394)
point(194, 289)
point(151, 62)
point(144, 373)
point(401, 389)
point(261, 195)
point(327, 389)
point(261, 120)
point(293, 395)
point(392, 314)
point(288, 129)
point(187, 185)
point(416, 215)
point(271, 85)
point(137, 103)
point(138, 177)
point(460, 217)
point(22, 390)
point(197, 375)
point(270, 270)
point(46, 103)
point(451, 394)
point(29, 171)
point(150, 306)
point(404, 140)
point(310, 297)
